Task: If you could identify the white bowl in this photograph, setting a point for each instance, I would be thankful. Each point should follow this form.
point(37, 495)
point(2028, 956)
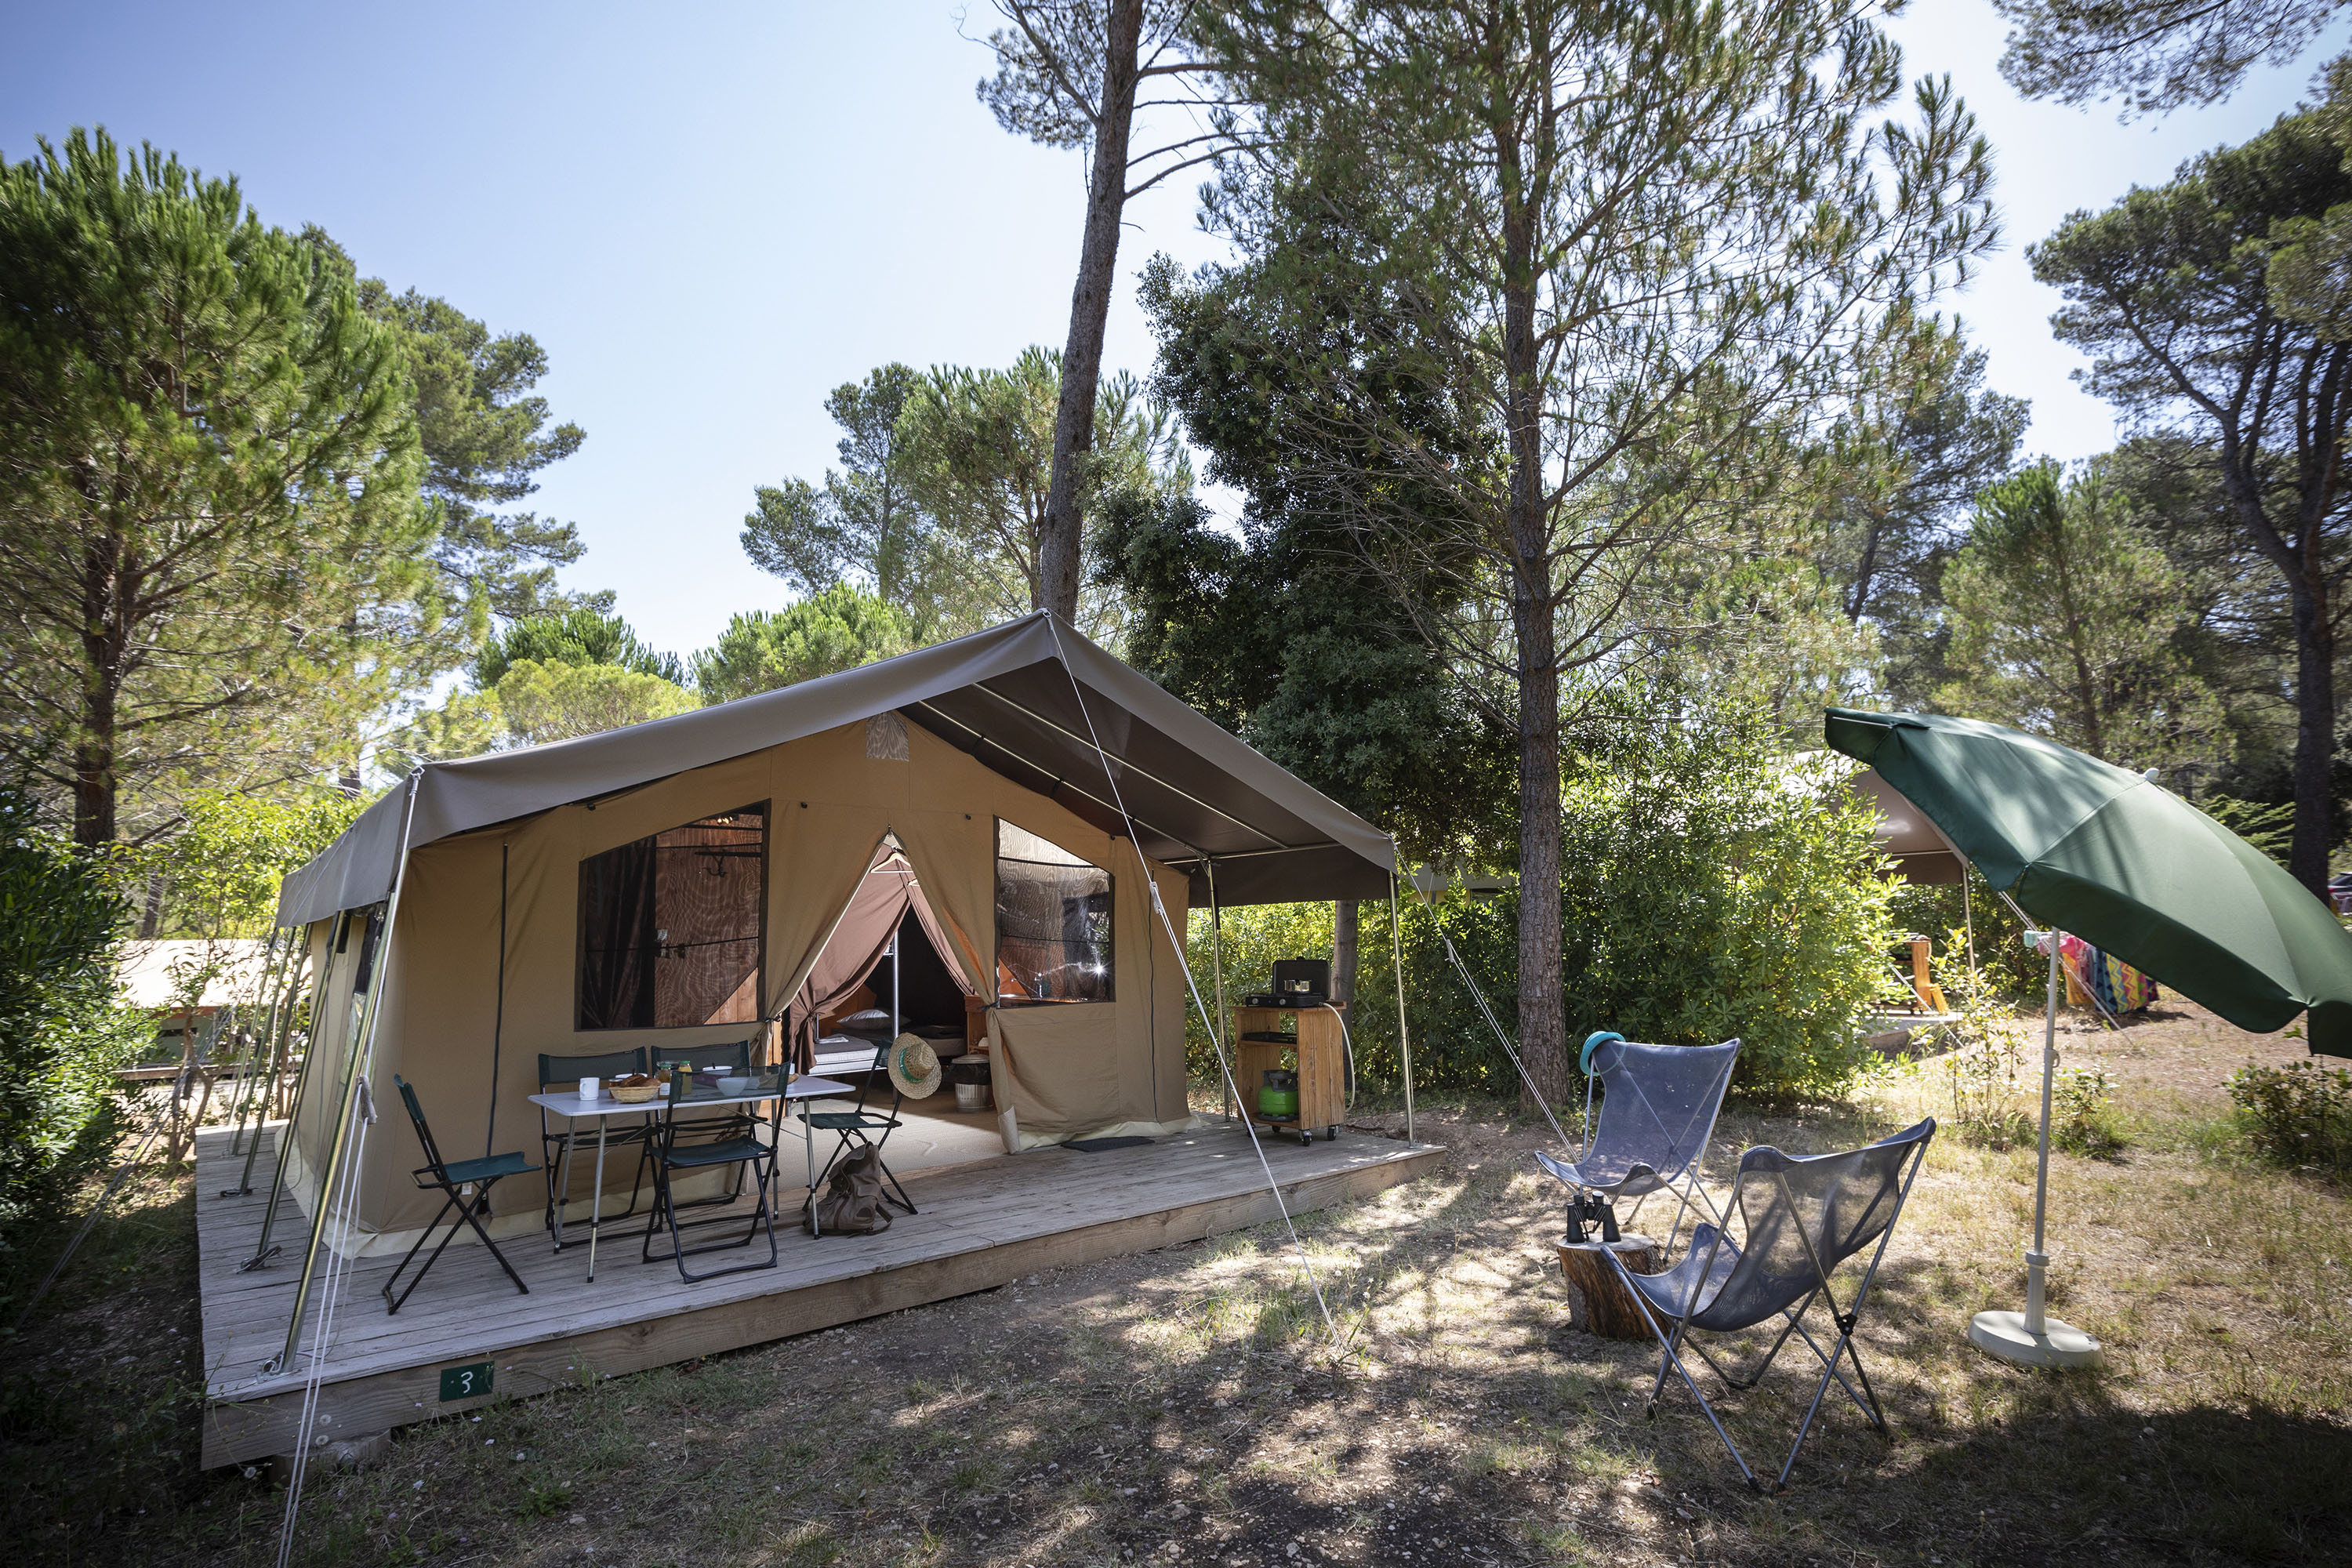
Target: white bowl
point(736, 1085)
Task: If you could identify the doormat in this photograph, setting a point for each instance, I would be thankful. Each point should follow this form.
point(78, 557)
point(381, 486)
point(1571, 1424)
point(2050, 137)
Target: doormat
point(1104, 1145)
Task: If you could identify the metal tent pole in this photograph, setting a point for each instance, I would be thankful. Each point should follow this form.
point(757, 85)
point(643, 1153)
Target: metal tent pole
point(371, 941)
point(270, 1048)
point(337, 934)
point(271, 975)
point(376, 963)
point(1404, 1037)
point(1217, 964)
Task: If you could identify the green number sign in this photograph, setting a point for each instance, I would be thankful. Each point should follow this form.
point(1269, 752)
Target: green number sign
point(466, 1382)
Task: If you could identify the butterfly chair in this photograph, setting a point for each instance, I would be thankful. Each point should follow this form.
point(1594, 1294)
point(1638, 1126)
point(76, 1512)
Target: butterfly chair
point(856, 1129)
point(555, 1148)
point(479, 1174)
point(1800, 1217)
point(1658, 1108)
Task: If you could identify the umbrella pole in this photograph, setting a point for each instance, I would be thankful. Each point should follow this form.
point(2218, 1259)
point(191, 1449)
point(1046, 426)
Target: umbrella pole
point(2031, 1338)
point(2037, 1261)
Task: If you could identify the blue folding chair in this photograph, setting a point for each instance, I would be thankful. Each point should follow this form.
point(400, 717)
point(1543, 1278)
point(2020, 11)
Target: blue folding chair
point(1658, 1108)
point(1799, 1217)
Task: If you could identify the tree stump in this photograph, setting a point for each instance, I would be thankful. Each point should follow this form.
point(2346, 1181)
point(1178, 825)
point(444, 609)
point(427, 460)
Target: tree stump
point(1597, 1302)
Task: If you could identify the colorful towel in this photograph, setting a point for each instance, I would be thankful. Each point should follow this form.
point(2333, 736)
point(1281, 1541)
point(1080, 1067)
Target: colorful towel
point(2114, 986)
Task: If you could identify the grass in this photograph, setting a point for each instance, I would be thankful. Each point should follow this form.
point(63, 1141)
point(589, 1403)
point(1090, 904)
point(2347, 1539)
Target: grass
point(1185, 1407)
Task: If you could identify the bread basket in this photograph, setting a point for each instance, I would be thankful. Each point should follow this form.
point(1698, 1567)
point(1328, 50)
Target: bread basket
point(635, 1094)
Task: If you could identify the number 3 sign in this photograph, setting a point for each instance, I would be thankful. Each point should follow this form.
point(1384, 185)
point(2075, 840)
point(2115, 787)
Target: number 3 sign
point(466, 1382)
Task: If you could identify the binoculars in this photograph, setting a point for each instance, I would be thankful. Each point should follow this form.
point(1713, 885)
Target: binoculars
point(1588, 1209)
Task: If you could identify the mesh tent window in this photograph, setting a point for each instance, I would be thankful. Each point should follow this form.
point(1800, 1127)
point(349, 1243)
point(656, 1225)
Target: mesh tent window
point(1052, 923)
point(671, 926)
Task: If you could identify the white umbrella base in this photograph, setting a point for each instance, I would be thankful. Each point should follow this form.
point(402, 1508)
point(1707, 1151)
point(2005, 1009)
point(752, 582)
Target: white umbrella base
point(2058, 1345)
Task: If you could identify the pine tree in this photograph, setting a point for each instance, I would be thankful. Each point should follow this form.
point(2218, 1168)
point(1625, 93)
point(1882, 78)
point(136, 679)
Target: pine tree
point(208, 471)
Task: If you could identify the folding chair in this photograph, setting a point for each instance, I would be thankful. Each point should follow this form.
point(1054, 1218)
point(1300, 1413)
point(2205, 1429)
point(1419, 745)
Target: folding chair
point(480, 1174)
point(1657, 1111)
point(854, 1126)
point(733, 1055)
point(553, 1146)
point(698, 1143)
point(1802, 1217)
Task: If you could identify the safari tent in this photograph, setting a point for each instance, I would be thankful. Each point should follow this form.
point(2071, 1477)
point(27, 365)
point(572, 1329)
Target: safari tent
point(722, 874)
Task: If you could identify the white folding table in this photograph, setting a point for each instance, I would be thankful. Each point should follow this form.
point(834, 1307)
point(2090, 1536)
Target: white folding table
point(604, 1108)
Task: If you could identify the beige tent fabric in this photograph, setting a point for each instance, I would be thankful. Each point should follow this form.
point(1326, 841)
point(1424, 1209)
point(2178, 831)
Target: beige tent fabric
point(319, 939)
point(1059, 1087)
point(1083, 1068)
point(328, 1054)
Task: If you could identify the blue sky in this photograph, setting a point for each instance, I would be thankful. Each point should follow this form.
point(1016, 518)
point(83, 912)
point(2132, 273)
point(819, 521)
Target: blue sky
point(711, 215)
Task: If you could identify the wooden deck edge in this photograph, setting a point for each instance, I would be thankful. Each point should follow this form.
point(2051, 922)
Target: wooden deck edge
point(236, 1431)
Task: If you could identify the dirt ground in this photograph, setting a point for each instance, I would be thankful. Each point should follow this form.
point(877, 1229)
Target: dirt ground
point(1189, 1406)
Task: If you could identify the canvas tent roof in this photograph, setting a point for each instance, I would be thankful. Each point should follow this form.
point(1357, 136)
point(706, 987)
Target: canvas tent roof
point(1006, 696)
point(1920, 850)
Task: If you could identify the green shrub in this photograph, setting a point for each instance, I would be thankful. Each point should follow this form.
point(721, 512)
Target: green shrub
point(1983, 1070)
point(2299, 1114)
point(1713, 885)
point(220, 872)
point(2081, 1113)
point(61, 1033)
point(1454, 1051)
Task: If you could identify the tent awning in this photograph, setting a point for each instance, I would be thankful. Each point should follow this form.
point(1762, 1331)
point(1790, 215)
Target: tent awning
point(1918, 847)
point(1006, 696)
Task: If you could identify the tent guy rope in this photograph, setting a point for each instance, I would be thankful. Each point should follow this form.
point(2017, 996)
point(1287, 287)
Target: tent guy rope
point(344, 1174)
point(1493, 1023)
point(1216, 1042)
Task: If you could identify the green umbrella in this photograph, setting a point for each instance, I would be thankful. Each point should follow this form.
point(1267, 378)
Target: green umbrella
point(2124, 864)
point(2131, 868)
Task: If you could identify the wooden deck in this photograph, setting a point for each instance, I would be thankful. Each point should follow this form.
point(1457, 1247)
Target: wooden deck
point(981, 1224)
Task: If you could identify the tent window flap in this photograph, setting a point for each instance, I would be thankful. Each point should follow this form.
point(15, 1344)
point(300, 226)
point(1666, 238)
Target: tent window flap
point(1052, 923)
point(670, 932)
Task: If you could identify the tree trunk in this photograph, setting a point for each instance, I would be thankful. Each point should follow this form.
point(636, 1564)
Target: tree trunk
point(1073, 417)
point(93, 790)
point(1867, 571)
point(1344, 929)
point(105, 636)
point(150, 918)
point(1598, 1301)
point(2315, 736)
point(1543, 1018)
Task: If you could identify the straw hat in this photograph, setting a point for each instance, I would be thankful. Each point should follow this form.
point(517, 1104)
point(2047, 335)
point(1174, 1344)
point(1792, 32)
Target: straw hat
point(914, 1067)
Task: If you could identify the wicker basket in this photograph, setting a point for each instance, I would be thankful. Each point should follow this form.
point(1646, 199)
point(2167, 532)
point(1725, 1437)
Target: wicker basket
point(638, 1095)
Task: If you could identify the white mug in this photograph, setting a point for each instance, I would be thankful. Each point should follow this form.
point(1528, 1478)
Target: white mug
point(589, 1087)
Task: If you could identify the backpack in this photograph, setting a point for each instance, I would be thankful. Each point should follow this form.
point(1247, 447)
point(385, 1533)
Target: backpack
point(852, 1203)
